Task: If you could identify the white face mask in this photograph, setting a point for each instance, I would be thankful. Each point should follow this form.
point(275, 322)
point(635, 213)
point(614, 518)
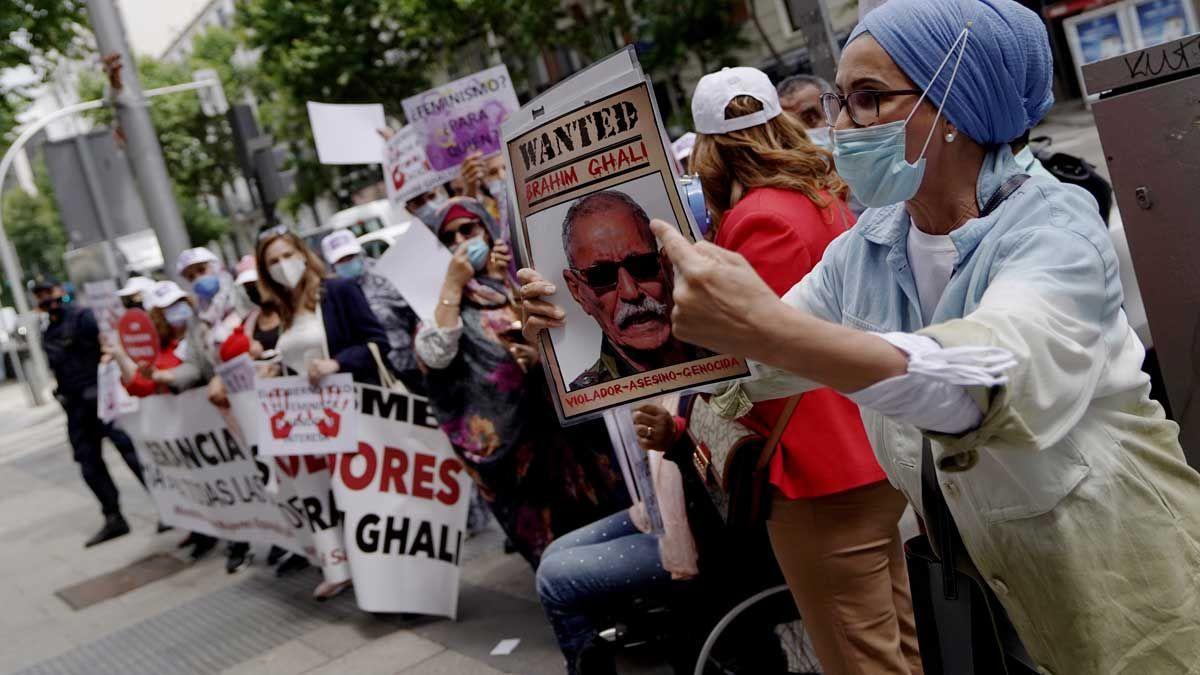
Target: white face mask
point(289, 271)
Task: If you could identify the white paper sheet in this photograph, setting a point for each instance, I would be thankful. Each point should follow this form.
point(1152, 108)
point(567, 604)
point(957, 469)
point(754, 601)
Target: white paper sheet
point(505, 646)
point(347, 133)
point(416, 264)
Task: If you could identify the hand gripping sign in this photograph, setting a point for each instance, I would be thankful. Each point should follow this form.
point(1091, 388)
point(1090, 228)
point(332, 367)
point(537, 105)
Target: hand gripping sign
point(301, 419)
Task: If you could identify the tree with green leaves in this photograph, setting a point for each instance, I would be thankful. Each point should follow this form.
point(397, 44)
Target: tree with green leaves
point(37, 35)
point(34, 227)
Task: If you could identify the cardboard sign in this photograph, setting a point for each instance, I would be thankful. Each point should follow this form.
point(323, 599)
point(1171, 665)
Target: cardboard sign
point(462, 117)
point(205, 479)
point(405, 497)
point(300, 419)
point(406, 169)
point(237, 374)
point(347, 133)
point(596, 157)
point(138, 336)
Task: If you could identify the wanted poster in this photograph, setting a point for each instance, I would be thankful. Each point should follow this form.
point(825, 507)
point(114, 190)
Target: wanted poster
point(587, 180)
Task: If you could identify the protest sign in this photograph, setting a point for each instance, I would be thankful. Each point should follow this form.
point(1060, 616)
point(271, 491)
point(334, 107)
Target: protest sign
point(301, 419)
point(588, 178)
point(347, 133)
point(111, 398)
point(405, 497)
point(102, 299)
point(237, 374)
point(634, 462)
point(305, 485)
point(138, 336)
point(462, 117)
point(416, 264)
point(204, 479)
point(406, 170)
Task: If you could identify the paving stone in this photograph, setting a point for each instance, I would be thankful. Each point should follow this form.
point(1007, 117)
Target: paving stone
point(289, 658)
point(384, 656)
point(451, 663)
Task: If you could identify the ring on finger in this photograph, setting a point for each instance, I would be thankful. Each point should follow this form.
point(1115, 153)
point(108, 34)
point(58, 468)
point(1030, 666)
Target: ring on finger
point(644, 431)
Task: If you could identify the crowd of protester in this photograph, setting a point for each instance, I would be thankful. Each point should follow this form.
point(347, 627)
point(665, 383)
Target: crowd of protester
point(939, 312)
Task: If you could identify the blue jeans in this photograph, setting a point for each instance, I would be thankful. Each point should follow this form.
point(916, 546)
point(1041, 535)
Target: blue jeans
point(594, 568)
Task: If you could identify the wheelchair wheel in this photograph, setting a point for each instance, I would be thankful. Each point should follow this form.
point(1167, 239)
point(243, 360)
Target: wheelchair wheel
point(762, 635)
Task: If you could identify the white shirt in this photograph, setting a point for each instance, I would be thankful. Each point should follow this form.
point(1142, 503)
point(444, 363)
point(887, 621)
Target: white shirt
point(932, 258)
point(303, 342)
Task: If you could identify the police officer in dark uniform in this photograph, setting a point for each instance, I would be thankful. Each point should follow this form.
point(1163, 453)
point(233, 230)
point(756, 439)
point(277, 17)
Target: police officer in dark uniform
point(72, 343)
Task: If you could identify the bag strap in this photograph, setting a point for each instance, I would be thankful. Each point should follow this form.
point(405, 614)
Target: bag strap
point(777, 433)
point(1003, 192)
point(385, 376)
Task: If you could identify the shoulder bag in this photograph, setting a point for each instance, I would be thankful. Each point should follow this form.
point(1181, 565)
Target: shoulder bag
point(733, 461)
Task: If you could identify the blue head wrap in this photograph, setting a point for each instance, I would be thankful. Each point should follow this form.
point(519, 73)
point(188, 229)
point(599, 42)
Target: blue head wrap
point(1003, 87)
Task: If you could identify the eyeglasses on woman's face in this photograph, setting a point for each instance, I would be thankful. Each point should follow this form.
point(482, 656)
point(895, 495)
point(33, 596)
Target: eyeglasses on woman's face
point(862, 105)
point(468, 229)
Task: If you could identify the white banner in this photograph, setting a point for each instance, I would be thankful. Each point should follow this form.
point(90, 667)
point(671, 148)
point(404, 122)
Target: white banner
point(305, 485)
point(300, 419)
point(202, 477)
point(405, 496)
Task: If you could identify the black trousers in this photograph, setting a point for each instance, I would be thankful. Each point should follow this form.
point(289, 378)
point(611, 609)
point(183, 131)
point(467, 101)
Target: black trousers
point(86, 432)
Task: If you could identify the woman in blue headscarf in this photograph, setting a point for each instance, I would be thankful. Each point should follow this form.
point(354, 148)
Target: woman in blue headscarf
point(975, 315)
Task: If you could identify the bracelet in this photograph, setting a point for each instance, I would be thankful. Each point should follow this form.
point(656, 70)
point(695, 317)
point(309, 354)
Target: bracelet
point(447, 303)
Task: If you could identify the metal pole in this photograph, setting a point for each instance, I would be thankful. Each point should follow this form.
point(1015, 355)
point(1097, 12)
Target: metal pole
point(145, 153)
point(812, 18)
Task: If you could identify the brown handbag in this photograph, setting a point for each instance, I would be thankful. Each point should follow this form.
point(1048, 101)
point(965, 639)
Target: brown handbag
point(733, 459)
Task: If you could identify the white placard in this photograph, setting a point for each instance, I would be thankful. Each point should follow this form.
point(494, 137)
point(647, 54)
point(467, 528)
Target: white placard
point(405, 496)
point(301, 419)
point(112, 400)
point(406, 170)
point(347, 133)
point(416, 265)
point(237, 374)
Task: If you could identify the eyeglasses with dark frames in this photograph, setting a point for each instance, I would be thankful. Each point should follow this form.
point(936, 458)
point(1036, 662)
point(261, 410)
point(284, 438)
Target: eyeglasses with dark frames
point(467, 230)
point(603, 276)
point(863, 105)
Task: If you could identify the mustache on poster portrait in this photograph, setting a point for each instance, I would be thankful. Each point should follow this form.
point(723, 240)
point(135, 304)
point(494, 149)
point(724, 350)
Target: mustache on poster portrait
point(628, 312)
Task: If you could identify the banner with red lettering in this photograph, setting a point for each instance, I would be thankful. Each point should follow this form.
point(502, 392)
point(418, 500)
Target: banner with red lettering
point(404, 496)
point(590, 167)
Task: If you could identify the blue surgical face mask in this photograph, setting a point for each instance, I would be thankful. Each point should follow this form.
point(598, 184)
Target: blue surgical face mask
point(350, 269)
point(477, 252)
point(178, 314)
point(206, 287)
point(872, 159)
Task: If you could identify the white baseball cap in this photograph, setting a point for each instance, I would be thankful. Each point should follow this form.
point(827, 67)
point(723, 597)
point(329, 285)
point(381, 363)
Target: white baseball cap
point(135, 285)
point(339, 244)
point(163, 294)
point(715, 90)
point(246, 276)
point(194, 256)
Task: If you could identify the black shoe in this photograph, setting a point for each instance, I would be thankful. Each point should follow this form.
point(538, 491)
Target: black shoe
point(596, 659)
point(237, 557)
point(295, 563)
point(114, 526)
point(163, 527)
point(203, 544)
point(275, 555)
point(510, 547)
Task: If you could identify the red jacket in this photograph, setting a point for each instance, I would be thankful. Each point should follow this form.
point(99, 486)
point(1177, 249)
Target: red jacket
point(824, 449)
point(141, 386)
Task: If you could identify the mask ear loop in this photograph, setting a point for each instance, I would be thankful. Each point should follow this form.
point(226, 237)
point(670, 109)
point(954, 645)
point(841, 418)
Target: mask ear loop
point(962, 37)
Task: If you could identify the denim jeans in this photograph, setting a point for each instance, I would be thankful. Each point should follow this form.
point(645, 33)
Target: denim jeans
point(594, 568)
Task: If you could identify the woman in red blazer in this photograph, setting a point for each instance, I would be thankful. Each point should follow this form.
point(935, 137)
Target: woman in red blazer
point(775, 199)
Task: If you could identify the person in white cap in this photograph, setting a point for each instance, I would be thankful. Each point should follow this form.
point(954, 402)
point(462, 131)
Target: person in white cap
point(132, 294)
point(343, 253)
point(775, 200)
point(218, 305)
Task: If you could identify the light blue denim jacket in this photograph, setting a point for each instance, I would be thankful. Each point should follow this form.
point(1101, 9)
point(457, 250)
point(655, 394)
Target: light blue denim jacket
point(1073, 496)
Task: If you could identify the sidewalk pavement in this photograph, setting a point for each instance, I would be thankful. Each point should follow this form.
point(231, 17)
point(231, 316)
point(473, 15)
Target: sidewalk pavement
point(202, 620)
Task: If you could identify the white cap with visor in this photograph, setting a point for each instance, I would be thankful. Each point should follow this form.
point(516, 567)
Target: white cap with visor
point(715, 91)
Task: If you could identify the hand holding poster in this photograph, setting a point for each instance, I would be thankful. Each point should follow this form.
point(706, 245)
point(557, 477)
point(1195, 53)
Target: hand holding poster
point(404, 495)
point(462, 117)
point(301, 419)
point(589, 178)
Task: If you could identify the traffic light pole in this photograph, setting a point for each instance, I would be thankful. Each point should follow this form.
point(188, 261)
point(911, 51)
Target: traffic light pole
point(145, 154)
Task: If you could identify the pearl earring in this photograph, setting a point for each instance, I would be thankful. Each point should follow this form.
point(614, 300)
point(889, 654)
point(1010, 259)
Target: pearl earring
point(950, 136)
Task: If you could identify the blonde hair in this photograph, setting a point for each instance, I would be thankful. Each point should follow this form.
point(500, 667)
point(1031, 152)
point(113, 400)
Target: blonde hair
point(776, 154)
point(309, 288)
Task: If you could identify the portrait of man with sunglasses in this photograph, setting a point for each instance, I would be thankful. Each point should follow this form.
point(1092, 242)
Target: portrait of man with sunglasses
point(618, 276)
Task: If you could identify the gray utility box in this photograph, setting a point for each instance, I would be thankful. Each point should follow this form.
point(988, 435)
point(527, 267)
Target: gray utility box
point(1148, 117)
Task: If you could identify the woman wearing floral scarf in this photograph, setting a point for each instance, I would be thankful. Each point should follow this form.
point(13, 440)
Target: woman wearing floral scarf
point(487, 387)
